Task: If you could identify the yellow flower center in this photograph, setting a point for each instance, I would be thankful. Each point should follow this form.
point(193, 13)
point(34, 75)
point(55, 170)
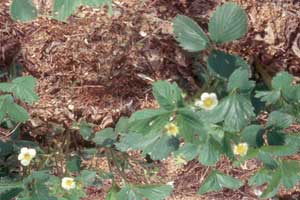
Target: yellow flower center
point(241, 149)
point(208, 102)
point(69, 183)
point(27, 156)
point(172, 129)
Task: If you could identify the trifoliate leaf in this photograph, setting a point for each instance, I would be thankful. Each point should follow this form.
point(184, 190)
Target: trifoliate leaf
point(149, 120)
point(223, 65)
point(217, 180)
point(239, 79)
point(107, 137)
point(189, 34)
point(169, 96)
point(280, 120)
point(253, 135)
point(140, 192)
point(23, 10)
point(228, 22)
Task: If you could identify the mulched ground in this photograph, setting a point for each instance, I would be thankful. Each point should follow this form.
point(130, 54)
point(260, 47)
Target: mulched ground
point(99, 67)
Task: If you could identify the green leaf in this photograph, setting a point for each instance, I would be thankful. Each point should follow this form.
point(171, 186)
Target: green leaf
point(253, 135)
point(276, 137)
point(270, 97)
point(216, 181)
point(158, 146)
point(268, 160)
point(63, 9)
point(188, 151)
point(95, 3)
point(168, 95)
point(9, 188)
point(280, 120)
point(228, 22)
point(122, 126)
point(189, 124)
point(273, 186)
point(6, 148)
point(261, 177)
point(107, 137)
point(279, 150)
point(88, 177)
point(73, 164)
point(223, 65)
point(150, 192)
point(14, 111)
point(23, 88)
point(112, 193)
point(239, 79)
point(209, 152)
point(189, 34)
point(149, 121)
point(282, 80)
point(86, 130)
point(290, 173)
point(235, 110)
point(23, 10)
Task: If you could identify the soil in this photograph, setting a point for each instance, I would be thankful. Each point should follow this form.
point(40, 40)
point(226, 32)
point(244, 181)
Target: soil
point(98, 67)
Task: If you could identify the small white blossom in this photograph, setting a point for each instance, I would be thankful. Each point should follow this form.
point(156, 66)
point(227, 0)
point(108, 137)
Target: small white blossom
point(240, 149)
point(257, 192)
point(208, 101)
point(68, 183)
point(172, 129)
point(143, 33)
point(26, 155)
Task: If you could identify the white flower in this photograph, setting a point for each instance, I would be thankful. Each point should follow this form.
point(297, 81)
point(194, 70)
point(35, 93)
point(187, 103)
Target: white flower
point(257, 192)
point(208, 101)
point(26, 155)
point(240, 149)
point(68, 183)
point(172, 129)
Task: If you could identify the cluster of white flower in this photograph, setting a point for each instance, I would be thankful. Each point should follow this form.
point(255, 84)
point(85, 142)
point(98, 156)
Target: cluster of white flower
point(27, 154)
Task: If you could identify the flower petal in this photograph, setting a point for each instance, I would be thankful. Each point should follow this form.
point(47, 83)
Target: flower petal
point(213, 96)
point(204, 96)
point(24, 150)
point(25, 162)
point(32, 152)
point(20, 156)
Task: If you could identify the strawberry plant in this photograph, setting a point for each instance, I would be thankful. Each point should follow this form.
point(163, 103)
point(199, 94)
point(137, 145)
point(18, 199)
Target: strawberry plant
point(25, 10)
point(221, 120)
